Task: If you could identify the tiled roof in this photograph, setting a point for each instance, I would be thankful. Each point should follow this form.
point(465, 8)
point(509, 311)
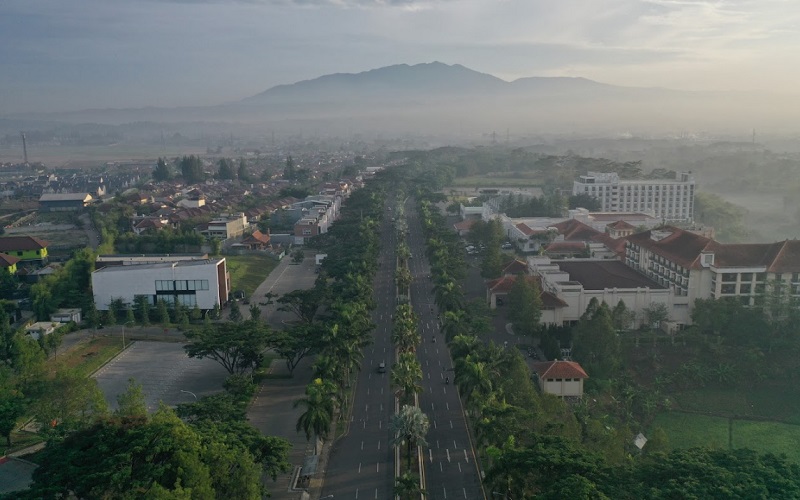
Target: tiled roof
point(615, 245)
point(620, 224)
point(257, 237)
point(575, 230)
point(780, 257)
point(526, 230)
point(503, 286)
point(7, 260)
point(465, 224)
point(681, 247)
point(559, 369)
point(21, 243)
point(515, 267)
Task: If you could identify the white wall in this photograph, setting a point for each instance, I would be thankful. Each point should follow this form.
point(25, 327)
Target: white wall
point(126, 282)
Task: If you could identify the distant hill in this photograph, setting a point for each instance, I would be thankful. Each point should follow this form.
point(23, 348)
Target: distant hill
point(436, 98)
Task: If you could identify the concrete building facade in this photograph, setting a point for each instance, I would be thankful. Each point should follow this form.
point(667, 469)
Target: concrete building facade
point(666, 199)
point(204, 283)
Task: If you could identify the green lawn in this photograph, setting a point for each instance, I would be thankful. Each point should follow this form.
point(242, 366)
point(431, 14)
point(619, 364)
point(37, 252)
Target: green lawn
point(768, 437)
point(686, 430)
point(87, 357)
point(774, 403)
point(248, 271)
point(481, 181)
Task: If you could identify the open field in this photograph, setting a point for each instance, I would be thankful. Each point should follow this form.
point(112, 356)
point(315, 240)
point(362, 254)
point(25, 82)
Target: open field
point(494, 181)
point(686, 430)
point(774, 403)
point(248, 271)
point(87, 357)
point(87, 156)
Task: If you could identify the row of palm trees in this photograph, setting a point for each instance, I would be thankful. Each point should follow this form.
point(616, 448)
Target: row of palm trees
point(352, 246)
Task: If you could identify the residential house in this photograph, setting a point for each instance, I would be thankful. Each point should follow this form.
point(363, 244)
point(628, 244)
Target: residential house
point(225, 227)
point(66, 316)
point(64, 202)
point(42, 328)
point(25, 248)
point(255, 241)
point(8, 263)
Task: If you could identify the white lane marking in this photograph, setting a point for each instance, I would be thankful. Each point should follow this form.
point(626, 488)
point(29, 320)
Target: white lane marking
point(380, 424)
point(376, 492)
point(359, 467)
point(454, 444)
point(356, 492)
point(448, 405)
point(448, 455)
point(430, 454)
point(432, 408)
point(459, 466)
point(379, 445)
point(362, 445)
point(441, 467)
point(451, 424)
point(434, 425)
point(445, 389)
point(465, 492)
point(437, 444)
point(378, 467)
point(466, 457)
point(445, 491)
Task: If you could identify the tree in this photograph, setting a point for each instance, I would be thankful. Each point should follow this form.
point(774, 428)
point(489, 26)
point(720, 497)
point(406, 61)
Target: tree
point(238, 347)
point(320, 406)
point(655, 314)
point(297, 343)
point(163, 312)
point(69, 401)
point(409, 426)
point(298, 256)
point(242, 173)
point(406, 486)
point(225, 171)
point(131, 403)
point(525, 305)
point(161, 457)
point(255, 312)
point(192, 169)
point(142, 305)
point(13, 403)
point(130, 317)
point(235, 313)
point(596, 343)
point(303, 303)
point(161, 172)
point(406, 375)
point(622, 317)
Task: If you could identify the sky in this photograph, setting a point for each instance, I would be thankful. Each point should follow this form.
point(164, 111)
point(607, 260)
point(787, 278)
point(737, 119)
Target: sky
point(58, 55)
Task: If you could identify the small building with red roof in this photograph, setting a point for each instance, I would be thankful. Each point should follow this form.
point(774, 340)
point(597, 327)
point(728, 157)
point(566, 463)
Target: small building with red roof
point(561, 378)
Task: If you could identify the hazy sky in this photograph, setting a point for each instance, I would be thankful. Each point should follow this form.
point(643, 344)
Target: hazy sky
point(75, 54)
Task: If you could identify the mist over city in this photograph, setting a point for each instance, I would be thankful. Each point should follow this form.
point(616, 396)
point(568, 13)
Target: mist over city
point(399, 249)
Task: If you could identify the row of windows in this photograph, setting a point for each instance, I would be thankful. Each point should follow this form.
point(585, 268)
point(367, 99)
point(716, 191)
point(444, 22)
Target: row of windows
point(173, 285)
point(185, 300)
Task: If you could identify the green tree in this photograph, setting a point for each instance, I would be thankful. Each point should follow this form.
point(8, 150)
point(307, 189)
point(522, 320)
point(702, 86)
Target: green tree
point(406, 375)
point(225, 171)
point(409, 426)
point(235, 313)
point(192, 169)
point(407, 487)
point(69, 401)
point(131, 403)
point(142, 306)
point(162, 311)
point(319, 404)
point(525, 305)
point(298, 256)
point(242, 173)
point(238, 347)
point(596, 344)
point(161, 172)
point(298, 342)
point(130, 317)
point(13, 403)
point(255, 312)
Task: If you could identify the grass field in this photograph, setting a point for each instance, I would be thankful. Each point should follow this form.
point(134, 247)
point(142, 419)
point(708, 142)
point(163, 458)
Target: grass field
point(686, 430)
point(248, 271)
point(774, 403)
point(88, 356)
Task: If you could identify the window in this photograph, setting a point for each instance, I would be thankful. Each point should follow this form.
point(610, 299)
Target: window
point(728, 277)
point(761, 276)
point(744, 288)
point(729, 289)
point(747, 276)
point(306, 232)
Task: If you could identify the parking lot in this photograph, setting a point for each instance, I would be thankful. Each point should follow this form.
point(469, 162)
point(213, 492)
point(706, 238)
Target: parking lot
point(165, 372)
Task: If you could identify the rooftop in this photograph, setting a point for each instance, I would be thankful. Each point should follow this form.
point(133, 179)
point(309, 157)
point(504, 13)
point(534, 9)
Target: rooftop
point(602, 274)
point(160, 265)
point(559, 369)
point(21, 243)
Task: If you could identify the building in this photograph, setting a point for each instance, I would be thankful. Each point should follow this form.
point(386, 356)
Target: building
point(8, 263)
point(694, 267)
point(42, 329)
point(66, 316)
point(138, 259)
point(575, 282)
point(204, 283)
point(497, 291)
point(671, 200)
point(561, 378)
point(306, 228)
point(64, 202)
point(25, 248)
point(225, 227)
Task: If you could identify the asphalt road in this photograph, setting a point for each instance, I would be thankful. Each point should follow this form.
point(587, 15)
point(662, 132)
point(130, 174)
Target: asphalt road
point(361, 464)
point(450, 467)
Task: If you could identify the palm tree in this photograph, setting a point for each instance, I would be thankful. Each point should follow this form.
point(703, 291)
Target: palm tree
point(448, 296)
point(407, 486)
point(403, 280)
point(409, 427)
point(320, 404)
point(406, 375)
point(453, 323)
point(473, 379)
point(405, 335)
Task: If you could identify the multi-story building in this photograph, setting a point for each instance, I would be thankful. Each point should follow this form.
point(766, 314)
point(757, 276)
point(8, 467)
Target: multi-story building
point(204, 283)
point(226, 226)
point(696, 267)
point(671, 200)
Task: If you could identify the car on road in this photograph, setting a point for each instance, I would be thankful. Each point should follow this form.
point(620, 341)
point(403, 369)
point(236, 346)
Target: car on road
point(382, 367)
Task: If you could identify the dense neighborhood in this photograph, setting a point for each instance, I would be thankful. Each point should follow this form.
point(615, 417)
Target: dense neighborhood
point(586, 322)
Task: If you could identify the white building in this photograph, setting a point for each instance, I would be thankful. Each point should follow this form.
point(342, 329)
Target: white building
point(226, 226)
point(204, 283)
point(671, 200)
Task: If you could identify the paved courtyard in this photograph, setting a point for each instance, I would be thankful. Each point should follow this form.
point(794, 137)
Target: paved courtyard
point(165, 372)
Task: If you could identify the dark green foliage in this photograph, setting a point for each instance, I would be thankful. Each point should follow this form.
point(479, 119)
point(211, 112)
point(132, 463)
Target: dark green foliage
point(525, 306)
point(192, 169)
point(161, 172)
point(226, 171)
point(238, 347)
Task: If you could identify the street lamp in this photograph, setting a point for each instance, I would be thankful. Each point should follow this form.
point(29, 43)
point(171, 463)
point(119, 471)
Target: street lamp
point(190, 392)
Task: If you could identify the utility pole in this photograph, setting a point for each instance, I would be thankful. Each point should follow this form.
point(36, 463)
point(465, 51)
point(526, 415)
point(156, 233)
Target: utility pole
point(24, 148)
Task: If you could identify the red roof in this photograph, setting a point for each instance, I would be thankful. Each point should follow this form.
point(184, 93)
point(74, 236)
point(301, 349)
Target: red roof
point(7, 260)
point(465, 225)
point(526, 230)
point(559, 369)
point(575, 230)
point(503, 286)
point(679, 246)
point(21, 243)
point(620, 224)
point(257, 238)
point(515, 267)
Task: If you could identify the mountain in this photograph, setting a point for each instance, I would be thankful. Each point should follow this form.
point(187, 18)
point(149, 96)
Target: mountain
point(401, 80)
point(435, 98)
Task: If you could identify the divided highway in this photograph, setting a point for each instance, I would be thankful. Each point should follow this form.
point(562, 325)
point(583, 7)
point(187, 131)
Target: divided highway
point(361, 464)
